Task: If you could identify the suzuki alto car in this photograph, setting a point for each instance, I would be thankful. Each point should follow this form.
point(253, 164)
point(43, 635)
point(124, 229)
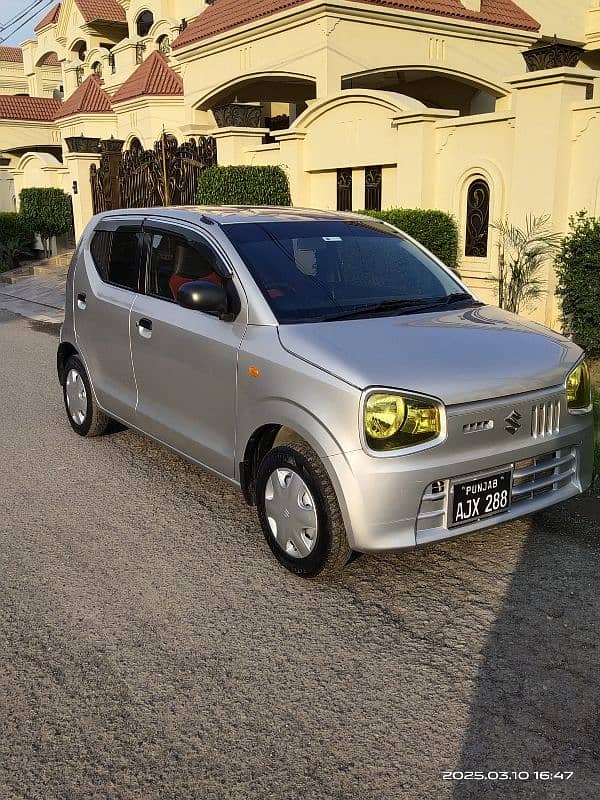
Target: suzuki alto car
point(338, 373)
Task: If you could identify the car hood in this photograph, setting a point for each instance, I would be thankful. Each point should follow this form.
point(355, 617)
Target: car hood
point(457, 355)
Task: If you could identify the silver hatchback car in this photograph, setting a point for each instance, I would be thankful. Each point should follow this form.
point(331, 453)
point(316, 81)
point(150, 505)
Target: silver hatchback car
point(338, 373)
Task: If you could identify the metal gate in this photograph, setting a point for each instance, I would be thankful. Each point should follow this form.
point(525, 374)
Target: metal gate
point(166, 175)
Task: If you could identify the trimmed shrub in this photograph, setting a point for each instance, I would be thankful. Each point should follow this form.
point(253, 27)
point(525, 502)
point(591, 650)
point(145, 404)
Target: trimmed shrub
point(16, 239)
point(436, 230)
point(48, 211)
point(244, 186)
point(578, 271)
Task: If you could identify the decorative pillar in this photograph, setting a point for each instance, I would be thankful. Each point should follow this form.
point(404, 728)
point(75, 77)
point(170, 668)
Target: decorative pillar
point(415, 176)
point(83, 151)
point(111, 151)
point(543, 102)
point(291, 159)
point(233, 142)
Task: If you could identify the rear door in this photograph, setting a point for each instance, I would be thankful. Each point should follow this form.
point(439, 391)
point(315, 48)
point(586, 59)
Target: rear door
point(185, 361)
point(105, 285)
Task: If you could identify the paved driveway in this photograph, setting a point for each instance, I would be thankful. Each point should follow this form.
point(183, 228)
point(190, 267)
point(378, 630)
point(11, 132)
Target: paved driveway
point(151, 648)
point(40, 297)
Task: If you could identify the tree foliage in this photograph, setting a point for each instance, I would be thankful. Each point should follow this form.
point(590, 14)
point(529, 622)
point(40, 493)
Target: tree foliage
point(245, 185)
point(578, 271)
point(48, 211)
point(435, 230)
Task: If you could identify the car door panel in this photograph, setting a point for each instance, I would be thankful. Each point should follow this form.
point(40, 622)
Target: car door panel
point(185, 365)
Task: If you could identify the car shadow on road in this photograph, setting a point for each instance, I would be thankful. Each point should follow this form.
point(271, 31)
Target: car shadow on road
point(536, 705)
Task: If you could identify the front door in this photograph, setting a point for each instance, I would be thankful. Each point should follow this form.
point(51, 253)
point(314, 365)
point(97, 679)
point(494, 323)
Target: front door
point(185, 361)
point(105, 285)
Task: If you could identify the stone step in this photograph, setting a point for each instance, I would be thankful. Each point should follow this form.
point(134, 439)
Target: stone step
point(47, 266)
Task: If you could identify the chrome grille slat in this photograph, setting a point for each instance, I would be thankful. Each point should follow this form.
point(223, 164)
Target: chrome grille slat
point(545, 419)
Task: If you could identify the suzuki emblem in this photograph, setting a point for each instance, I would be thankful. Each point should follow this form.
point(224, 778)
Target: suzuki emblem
point(513, 422)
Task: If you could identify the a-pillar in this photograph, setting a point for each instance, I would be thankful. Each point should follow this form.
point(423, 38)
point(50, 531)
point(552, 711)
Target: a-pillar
point(542, 153)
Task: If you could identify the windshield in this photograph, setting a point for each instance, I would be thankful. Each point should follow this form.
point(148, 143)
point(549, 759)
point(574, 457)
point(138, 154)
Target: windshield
point(323, 270)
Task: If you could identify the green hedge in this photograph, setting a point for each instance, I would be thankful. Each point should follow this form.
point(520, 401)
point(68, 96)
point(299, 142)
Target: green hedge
point(16, 239)
point(245, 186)
point(436, 230)
point(13, 226)
point(578, 270)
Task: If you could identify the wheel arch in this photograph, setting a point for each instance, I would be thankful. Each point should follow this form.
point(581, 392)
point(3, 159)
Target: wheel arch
point(64, 352)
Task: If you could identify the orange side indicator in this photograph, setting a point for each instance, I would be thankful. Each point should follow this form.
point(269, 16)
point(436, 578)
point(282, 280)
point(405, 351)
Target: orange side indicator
point(253, 371)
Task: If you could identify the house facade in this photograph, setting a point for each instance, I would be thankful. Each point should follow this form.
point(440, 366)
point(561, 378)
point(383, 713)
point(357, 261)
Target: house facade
point(483, 108)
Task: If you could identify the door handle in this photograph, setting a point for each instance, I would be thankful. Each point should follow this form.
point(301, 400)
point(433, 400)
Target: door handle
point(81, 301)
point(145, 328)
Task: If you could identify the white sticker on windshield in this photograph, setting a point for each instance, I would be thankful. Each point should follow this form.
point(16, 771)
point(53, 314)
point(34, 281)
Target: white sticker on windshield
point(332, 238)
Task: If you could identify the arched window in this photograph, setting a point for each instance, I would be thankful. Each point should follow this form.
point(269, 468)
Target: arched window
point(80, 50)
point(97, 69)
point(478, 219)
point(144, 22)
point(135, 144)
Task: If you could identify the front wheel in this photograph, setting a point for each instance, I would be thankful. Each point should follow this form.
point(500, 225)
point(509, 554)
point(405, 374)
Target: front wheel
point(299, 512)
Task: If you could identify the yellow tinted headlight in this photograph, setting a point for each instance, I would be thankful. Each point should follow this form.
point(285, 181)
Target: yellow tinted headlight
point(393, 422)
point(579, 388)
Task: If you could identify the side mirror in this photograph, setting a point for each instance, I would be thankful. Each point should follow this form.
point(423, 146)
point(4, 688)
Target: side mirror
point(203, 296)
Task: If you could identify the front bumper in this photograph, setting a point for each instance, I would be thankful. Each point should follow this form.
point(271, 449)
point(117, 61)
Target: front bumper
point(403, 502)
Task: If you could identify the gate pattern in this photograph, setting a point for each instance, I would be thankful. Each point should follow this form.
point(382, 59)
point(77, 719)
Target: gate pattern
point(166, 175)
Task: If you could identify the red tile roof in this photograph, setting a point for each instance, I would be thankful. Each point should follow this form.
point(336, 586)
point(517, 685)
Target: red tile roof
point(33, 109)
point(153, 77)
point(51, 60)
point(88, 98)
point(49, 19)
point(12, 54)
point(109, 10)
point(224, 15)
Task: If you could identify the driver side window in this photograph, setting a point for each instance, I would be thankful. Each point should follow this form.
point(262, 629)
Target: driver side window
point(174, 261)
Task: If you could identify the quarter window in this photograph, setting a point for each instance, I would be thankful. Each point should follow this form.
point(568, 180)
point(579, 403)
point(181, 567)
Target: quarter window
point(116, 256)
point(174, 261)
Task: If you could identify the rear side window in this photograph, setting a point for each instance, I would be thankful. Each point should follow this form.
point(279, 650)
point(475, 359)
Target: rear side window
point(116, 255)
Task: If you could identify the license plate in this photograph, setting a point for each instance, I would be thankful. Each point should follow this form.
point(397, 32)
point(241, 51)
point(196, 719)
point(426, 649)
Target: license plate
point(481, 497)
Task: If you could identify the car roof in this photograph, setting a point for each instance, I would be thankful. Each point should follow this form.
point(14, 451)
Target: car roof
point(229, 215)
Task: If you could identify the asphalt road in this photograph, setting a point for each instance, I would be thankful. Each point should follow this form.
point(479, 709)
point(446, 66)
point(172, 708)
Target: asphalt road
point(151, 648)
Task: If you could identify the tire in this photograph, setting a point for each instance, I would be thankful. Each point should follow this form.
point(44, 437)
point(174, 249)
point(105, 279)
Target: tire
point(320, 549)
point(83, 413)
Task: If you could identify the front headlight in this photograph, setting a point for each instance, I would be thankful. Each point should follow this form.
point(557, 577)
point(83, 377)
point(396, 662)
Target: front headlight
point(393, 421)
point(579, 388)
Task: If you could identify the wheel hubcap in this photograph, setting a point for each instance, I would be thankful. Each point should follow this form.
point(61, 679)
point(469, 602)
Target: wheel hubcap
point(76, 397)
point(291, 513)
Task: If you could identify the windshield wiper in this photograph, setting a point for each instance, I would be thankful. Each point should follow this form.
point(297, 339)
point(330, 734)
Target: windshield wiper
point(406, 306)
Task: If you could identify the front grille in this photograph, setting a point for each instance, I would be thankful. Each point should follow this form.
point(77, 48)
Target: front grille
point(543, 474)
point(532, 478)
point(545, 419)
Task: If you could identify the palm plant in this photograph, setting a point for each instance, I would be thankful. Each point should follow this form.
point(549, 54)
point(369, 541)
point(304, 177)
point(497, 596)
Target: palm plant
point(523, 254)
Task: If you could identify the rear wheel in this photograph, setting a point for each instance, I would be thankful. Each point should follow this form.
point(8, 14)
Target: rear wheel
point(299, 512)
point(83, 413)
